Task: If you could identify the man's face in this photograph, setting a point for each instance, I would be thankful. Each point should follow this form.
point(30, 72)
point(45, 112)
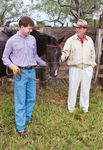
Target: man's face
point(81, 30)
point(26, 30)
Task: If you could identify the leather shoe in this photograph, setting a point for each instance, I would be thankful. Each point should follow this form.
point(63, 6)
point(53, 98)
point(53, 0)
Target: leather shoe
point(21, 134)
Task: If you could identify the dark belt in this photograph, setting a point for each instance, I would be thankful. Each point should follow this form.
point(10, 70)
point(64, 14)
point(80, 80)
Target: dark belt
point(27, 67)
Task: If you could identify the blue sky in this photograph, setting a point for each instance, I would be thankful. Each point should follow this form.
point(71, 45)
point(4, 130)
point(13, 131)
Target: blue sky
point(37, 14)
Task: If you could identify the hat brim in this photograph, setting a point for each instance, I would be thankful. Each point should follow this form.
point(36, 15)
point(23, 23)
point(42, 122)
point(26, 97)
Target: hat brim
point(76, 25)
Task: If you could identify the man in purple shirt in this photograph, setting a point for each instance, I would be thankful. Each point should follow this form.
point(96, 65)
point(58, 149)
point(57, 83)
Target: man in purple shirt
point(21, 54)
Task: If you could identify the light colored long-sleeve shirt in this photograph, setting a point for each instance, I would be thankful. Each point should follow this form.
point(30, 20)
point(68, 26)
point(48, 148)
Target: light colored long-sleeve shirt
point(79, 54)
point(21, 51)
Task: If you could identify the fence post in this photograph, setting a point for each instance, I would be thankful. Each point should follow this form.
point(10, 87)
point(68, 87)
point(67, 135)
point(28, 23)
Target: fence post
point(98, 47)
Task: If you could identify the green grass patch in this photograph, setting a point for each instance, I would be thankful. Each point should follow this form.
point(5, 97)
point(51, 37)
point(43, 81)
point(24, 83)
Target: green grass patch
point(53, 127)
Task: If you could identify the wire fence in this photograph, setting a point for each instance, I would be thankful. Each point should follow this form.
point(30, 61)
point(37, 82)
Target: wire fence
point(61, 79)
point(46, 80)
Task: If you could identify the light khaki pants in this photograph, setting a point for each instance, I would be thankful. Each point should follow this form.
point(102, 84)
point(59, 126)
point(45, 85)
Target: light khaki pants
point(79, 77)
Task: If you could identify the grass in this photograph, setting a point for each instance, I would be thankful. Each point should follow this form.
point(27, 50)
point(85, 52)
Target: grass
point(53, 128)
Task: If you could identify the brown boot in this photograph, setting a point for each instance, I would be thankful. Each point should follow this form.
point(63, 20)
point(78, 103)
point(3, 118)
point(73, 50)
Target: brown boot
point(21, 134)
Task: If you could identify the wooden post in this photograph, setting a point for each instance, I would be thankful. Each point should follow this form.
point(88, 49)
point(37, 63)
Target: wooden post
point(98, 47)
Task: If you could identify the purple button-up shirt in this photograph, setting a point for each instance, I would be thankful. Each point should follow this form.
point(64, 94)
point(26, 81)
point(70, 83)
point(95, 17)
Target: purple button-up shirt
point(21, 51)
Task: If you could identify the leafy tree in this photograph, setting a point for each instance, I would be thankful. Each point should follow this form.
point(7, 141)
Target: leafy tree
point(11, 10)
point(81, 8)
point(60, 10)
point(55, 12)
point(40, 23)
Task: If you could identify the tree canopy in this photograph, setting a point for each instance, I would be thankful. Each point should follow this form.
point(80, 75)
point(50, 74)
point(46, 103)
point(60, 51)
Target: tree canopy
point(57, 10)
point(60, 10)
point(11, 10)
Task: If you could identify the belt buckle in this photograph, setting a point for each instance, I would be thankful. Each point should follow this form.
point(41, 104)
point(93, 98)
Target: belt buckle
point(29, 67)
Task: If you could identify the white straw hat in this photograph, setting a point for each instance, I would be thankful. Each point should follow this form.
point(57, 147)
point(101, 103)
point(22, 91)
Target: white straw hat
point(81, 23)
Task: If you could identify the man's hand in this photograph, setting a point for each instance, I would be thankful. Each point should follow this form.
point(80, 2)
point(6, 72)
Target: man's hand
point(15, 69)
point(46, 66)
point(60, 61)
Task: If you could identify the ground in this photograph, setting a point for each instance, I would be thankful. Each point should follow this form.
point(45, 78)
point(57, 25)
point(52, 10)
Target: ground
point(53, 127)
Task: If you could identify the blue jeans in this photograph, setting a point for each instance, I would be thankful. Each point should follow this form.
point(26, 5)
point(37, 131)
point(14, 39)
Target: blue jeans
point(24, 97)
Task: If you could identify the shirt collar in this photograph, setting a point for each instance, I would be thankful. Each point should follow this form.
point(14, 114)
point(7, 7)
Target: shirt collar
point(19, 34)
point(76, 37)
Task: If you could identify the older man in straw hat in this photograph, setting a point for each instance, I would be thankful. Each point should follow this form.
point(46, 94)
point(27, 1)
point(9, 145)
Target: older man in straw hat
point(79, 53)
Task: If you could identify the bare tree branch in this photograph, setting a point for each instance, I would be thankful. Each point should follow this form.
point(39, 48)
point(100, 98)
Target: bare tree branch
point(64, 5)
point(58, 19)
point(101, 2)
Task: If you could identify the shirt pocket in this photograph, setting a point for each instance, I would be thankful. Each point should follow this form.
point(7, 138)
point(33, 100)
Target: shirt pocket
point(31, 48)
point(18, 47)
point(31, 45)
